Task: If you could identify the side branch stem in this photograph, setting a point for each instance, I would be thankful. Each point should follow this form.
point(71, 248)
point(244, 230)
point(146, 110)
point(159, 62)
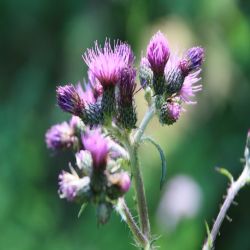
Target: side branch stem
point(232, 192)
point(145, 121)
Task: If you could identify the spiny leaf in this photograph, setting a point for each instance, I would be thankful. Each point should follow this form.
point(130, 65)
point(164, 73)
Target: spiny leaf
point(209, 238)
point(226, 173)
point(83, 206)
point(163, 159)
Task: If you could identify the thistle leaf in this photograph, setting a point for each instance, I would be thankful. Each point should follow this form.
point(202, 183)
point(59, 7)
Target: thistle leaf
point(209, 238)
point(163, 159)
point(226, 173)
point(83, 206)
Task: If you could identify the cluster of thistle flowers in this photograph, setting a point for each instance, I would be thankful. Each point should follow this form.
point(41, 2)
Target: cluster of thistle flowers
point(106, 102)
point(171, 79)
point(98, 176)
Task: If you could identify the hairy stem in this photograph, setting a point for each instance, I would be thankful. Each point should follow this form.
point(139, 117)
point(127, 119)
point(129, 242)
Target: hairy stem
point(139, 189)
point(127, 216)
point(232, 192)
point(132, 146)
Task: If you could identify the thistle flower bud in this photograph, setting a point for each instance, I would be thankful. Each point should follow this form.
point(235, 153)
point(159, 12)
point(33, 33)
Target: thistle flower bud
point(158, 53)
point(170, 112)
point(104, 211)
point(126, 108)
point(93, 115)
point(97, 145)
point(69, 100)
point(174, 80)
point(145, 73)
point(84, 161)
point(192, 60)
point(71, 186)
point(60, 136)
point(119, 184)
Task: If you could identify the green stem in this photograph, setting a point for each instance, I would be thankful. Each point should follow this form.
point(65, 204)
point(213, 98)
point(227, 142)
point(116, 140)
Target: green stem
point(132, 147)
point(139, 189)
point(146, 119)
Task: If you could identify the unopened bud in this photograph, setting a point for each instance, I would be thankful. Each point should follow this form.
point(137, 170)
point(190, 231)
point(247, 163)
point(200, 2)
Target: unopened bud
point(174, 80)
point(69, 100)
point(158, 53)
point(104, 211)
point(145, 73)
point(192, 60)
point(93, 115)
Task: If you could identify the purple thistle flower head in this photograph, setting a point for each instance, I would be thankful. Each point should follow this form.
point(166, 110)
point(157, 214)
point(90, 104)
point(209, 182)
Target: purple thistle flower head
point(193, 59)
point(106, 63)
point(69, 100)
point(158, 53)
point(97, 145)
point(70, 185)
point(189, 87)
point(60, 136)
point(125, 49)
point(127, 86)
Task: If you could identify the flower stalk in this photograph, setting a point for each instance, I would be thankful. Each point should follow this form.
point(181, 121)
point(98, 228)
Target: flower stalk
point(132, 147)
point(144, 123)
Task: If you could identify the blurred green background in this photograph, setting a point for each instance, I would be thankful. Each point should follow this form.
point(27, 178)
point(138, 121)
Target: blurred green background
point(41, 47)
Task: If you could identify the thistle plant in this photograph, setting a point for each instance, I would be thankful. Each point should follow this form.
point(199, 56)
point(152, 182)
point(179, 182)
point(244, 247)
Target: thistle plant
point(103, 131)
